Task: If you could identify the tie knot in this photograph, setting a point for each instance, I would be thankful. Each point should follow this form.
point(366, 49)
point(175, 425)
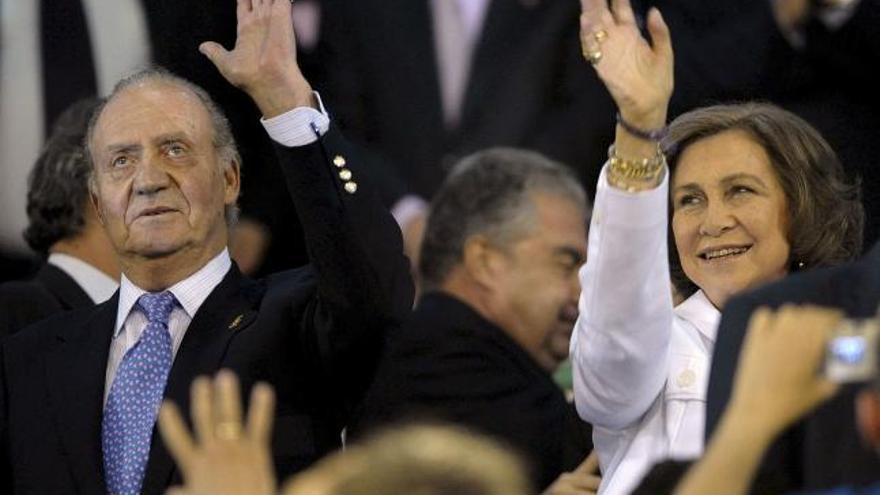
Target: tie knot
point(157, 307)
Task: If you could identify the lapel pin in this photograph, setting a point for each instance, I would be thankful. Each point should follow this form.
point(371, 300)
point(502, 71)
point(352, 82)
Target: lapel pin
point(236, 322)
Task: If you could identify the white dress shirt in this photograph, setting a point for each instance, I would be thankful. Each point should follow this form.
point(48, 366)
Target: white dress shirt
point(95, 283)
point(190, 293)
point(640, 367)
point(297, 127)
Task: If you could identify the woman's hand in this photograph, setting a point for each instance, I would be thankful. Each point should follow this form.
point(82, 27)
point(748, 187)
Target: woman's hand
point(638, 75)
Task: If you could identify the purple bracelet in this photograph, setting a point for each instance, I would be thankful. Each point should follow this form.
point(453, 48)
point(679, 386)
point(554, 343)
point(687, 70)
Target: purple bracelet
point(651, 135)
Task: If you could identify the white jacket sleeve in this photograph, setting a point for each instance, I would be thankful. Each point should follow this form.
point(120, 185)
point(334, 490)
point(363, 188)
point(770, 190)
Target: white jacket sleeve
point(620, 346)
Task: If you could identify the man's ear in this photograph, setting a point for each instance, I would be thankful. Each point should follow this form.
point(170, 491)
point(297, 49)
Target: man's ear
point(232, 181)
point(93, 199)
point(482, 260)
point(868, 416)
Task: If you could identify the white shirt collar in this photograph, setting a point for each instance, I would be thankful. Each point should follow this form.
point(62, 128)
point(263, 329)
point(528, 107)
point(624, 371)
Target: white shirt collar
point(95, 283)
point(190, 292)
point(698, 310)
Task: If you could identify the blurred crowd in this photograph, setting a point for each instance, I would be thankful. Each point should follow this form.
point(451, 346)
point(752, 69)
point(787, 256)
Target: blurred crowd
point(422, 208)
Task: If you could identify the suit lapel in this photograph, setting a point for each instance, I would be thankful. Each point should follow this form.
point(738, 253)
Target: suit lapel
point(76, 370)
point(229, 309)
point(63, 287)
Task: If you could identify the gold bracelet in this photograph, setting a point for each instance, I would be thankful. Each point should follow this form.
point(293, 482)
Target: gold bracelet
point(634, 175)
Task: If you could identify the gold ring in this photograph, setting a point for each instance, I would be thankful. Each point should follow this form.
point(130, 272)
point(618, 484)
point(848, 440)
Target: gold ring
point(589, 48)
point(600, 35)
point(594, 56)
point(228, 430)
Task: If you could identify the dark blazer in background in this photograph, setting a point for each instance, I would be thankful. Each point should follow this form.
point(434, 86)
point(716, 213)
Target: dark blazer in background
point(824, 449)
point(529, 87)
point(447, 363)
point(314, 333)
point(50, 291)
point(733, 50)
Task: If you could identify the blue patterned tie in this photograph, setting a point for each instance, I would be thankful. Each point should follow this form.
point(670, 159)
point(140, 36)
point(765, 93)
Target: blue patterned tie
point(133, 403)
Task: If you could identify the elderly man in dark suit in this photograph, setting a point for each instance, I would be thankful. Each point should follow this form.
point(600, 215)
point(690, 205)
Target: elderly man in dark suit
point(79, 394)
point(81, 268)
point(504, 241)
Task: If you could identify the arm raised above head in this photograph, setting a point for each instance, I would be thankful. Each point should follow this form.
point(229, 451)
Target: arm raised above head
point(263, 62)
point(620, 346)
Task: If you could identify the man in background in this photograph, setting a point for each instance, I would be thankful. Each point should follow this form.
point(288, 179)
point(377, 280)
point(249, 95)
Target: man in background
point(504, 241)
point(81, 269)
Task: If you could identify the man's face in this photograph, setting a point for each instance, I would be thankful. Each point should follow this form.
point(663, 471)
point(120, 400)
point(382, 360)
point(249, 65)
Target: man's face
point(160, 186)
point(536, 288)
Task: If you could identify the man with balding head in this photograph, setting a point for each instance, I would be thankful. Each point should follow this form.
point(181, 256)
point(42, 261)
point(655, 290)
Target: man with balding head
point(79, 394)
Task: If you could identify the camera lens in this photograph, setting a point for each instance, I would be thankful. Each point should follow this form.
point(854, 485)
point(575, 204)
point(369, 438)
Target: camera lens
point(849, 350)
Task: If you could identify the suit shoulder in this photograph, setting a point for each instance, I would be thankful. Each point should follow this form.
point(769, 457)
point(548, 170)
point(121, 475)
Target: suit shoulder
point(21, 291)
point(279, 286)
point(806, 287)
point(23, 303)
point(37, 334)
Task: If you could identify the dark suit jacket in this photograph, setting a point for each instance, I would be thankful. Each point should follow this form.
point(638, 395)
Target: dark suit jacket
point(733, 50)
point(448, 363)
point(824, 449)
point(314, 333)
point(50, 291)
point(529, 87)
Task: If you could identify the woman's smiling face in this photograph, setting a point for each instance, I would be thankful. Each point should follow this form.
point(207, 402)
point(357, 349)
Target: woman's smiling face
point(730, 215)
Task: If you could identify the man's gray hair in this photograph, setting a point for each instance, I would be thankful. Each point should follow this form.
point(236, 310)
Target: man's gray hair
point(489, 193)
point(223, 139)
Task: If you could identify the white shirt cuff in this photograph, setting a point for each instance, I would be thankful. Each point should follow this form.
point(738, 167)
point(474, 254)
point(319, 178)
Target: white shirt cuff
point(836, 14)
point(300, 126)
point(640, 209)
point(408, 208)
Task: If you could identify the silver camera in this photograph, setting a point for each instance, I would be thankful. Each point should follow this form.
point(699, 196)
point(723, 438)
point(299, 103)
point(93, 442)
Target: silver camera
point(852, 352)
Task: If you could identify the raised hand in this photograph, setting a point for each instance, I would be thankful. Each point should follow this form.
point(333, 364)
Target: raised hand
point(263, 61)
point(778, 372)
point(224, 456)
point(638, 74)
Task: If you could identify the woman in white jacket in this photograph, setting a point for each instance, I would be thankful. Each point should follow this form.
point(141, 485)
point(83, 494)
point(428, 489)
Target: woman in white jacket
point(754, 193)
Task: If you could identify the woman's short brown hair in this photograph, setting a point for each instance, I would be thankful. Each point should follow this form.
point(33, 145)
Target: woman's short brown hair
point(825, 212)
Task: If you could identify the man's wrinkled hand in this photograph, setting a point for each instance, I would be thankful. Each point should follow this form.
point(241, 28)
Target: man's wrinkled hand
point(263, 61)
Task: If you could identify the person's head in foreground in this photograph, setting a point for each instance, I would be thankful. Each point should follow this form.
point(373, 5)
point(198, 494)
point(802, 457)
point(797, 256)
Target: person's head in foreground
point(756, 193)
point(228, 452)
point(417, 460)
point(507, 234)
point(165, 178)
